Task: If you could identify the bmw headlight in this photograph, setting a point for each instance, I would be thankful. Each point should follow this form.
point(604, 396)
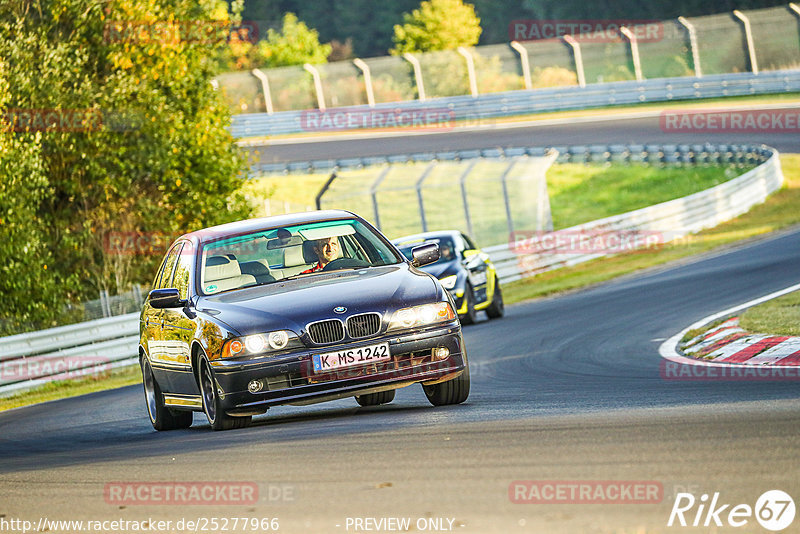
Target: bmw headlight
point(449, 282)
point(265, 343)
point(424, 315)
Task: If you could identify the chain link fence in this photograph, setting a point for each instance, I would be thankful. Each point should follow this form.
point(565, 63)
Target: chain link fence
point(488, 198)
point(720, 46)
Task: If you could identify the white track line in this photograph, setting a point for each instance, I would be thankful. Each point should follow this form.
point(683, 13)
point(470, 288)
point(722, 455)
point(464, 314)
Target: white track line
point(669, 349)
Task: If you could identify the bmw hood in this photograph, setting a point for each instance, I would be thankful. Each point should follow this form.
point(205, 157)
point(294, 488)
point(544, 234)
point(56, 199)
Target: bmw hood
point(292, 304)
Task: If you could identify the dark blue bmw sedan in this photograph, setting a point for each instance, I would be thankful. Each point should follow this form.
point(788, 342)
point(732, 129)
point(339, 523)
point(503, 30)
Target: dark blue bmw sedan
point(296, 309)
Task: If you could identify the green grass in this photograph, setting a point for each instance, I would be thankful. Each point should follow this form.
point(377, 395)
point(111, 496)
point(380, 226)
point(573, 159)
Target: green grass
point(780, 316)
point(125, 376)
point(781, 210)
point(583, 193)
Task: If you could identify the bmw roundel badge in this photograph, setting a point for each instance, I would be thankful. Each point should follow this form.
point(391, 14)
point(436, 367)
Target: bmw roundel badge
point(339, 309)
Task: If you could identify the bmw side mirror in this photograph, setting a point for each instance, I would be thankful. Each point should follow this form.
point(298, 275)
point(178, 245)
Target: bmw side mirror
point(165, 298)
point(424, 254)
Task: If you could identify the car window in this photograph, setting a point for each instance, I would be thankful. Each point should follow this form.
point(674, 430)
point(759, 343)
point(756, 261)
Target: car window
point(165, 274)
point(470, 244)
point(275, 254)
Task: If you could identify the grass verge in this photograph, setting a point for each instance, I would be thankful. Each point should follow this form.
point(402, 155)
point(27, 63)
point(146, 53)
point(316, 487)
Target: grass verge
point(118, 378)
point(780, 316)
point(781, 210)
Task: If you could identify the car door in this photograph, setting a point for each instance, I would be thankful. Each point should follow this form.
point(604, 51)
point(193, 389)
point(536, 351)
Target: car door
point(179, 327)
point(154, 322)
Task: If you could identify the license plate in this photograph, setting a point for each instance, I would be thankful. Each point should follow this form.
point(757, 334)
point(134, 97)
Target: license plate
point(351, 357)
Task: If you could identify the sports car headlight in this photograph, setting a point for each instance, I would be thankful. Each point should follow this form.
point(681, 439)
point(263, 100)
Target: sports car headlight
point(424, 315)
point(449, 282)
point(261, 343)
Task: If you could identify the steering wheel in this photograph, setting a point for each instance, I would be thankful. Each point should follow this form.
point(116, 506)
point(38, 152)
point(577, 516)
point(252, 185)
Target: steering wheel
point(345, 263)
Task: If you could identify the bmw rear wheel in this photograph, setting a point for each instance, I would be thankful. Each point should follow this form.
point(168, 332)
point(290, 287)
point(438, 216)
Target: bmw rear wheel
point(161, 417)
point(212, 405)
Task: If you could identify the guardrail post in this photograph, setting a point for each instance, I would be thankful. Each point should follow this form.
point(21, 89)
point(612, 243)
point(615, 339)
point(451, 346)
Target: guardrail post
point(261, 75)
point(473, 82)
point(693, 45)
point(463, 183)
point(417, 75)
point(637, 65)
point(367, 80)
point(373, 192)
point(748, 35)
point(418, 186)
point(317, 85)
point(576, 52)
point(524, 65)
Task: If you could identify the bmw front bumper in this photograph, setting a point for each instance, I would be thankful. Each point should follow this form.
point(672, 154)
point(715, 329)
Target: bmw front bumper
point(291, 379)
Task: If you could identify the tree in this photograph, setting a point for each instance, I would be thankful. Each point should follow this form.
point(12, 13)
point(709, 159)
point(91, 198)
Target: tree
point(437, 25)
point(295, 44)
point(151, 154)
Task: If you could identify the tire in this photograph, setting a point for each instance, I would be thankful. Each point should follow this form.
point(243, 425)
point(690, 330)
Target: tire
point(471, 316)
point(161, 417)
point(374, 399)
point(453, 391)
point(212, 406)
point(496, 309)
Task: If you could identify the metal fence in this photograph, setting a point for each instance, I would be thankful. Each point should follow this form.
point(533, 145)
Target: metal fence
point(483, 109)
point(742, 41)
point(487, 197)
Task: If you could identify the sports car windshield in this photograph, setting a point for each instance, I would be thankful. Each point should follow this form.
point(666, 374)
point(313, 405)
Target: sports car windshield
point(276, 254)
point(447, 249)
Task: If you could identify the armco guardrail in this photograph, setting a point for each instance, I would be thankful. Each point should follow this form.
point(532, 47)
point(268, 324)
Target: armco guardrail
point(495, 105)
point(28, 360)
point(32, 359)
point(664, 222)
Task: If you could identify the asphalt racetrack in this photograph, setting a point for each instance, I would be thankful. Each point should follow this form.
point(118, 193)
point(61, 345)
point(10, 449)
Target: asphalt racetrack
point(563, 389)
point(620, 129)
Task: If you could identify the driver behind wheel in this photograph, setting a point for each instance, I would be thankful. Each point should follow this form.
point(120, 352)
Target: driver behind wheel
point(327, 250)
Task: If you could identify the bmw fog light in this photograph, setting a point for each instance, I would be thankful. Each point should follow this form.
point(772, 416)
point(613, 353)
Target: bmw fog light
point(255, 386)
point(441, 353)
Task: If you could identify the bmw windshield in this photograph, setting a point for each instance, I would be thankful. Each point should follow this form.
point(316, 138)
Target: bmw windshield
point(274, 254)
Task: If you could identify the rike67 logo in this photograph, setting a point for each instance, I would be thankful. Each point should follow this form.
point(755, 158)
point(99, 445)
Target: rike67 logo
point(774, 510)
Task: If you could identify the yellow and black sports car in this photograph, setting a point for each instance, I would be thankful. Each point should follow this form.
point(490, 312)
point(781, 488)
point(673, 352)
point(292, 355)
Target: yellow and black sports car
point(295, 309)
point(463, 269)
